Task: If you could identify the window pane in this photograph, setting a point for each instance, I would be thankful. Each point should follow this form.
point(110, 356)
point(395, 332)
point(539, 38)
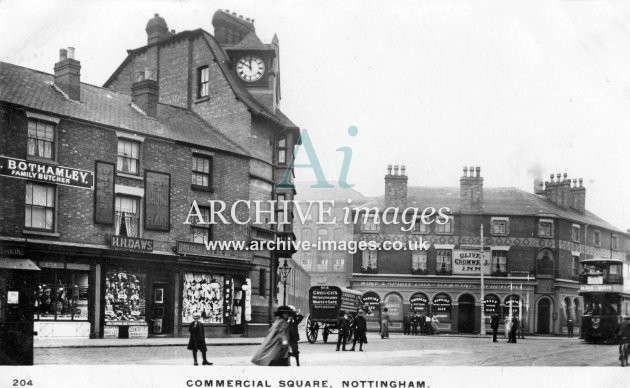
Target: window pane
point(38, 219)
point(39, 195)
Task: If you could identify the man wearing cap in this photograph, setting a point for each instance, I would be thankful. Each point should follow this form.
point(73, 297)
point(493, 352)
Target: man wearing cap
point(343, 326)
point(360, 328)
point(197, 339)
point(623, 335)
point(294, 333)
point(274, 351)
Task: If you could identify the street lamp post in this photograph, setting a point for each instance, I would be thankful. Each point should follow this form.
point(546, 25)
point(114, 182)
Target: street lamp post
point(285, 270)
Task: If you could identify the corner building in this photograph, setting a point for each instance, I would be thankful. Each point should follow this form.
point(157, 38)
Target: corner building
point(532, 247)
point(96, 183)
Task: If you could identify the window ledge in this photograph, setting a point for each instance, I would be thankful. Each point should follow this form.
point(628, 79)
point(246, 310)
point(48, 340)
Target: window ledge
point(202, 188)
point(131, 176)
point(40, 233)
point(370, 231)
point(42, 160)
point(445, 234)
point(545, 236)
point(499, 234)
point(202, 99)
point(414, 232)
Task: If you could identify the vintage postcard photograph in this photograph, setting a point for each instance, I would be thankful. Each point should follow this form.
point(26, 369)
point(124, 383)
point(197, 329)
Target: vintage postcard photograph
point(404, 194)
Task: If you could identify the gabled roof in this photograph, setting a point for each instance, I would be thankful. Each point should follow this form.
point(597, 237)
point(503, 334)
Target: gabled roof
point(508, 201)
point(34, 90)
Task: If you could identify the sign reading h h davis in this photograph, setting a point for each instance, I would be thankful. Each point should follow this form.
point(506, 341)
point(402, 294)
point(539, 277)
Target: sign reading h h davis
point(42, 172)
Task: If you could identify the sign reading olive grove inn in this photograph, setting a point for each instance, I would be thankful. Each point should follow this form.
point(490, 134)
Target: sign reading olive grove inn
point(467, 262)
point(157, 201)
point(43, 172)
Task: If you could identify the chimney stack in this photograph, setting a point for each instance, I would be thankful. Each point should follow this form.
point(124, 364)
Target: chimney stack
point(144, 92)
point(230, 28)
point(578, 194)
point(68, 74)
point(471, 190)
point(156, 29)
point(396, 188)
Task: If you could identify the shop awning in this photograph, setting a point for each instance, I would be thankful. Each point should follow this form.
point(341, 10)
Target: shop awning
point(23, 264)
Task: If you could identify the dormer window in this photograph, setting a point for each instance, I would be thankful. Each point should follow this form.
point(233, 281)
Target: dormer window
point(203, 82)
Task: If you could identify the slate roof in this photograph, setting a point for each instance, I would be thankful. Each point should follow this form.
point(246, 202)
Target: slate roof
point(34, 90)
point(306, 193)
point(507, 201)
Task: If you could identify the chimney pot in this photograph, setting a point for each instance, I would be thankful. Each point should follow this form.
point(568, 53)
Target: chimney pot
point(156, 15)
point(395, 169)
point(471, 170)
point(402, 170)
point(63, 55)
point(551, 176)
point(68, 74)
point(465, 171)
point(565, 176)
point(477, 171)
point(389, 169)
point(580, 180)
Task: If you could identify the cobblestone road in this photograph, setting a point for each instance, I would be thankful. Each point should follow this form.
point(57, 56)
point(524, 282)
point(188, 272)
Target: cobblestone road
point(439, 350)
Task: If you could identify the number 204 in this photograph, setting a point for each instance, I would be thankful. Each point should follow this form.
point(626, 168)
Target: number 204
point(22, 383)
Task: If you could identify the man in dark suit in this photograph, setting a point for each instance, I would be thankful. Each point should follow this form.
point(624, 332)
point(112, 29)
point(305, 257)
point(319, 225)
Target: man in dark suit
point(422, 321)
point(414, 324)
point(343, 326)
point(494, 324)
point(407, 324)
point(360, 329)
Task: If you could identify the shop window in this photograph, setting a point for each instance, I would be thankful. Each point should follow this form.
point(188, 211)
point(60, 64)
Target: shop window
point(201, 233)
point(125, 297)
point(444, 261)
point(491, 306)
point(41, 139)
point(500, 226)
point(128, 156)
point(282, 150)
point(202, 172)
point(442, 308)
point(127, 216)
point(575, 233)
point(419, 261)
point(420, 227)
point(597, 238)
point(39, 207)
point(61, 294)
point(499, 263)
point(511, 306)
point(203, 294)
point(444, 227)
point(369, 262)
point(545, 228)
point(370, 224)
point(203, 82)
point(614, 243)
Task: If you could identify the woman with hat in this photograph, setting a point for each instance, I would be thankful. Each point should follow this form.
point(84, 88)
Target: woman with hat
point(197, 339)
point(274, 351)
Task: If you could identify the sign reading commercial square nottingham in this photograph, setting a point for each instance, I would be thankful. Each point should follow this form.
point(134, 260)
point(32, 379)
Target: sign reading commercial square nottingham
point(43, 172)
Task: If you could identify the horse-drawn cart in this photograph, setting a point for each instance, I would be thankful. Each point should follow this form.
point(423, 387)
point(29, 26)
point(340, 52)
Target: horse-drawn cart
point(325, 303)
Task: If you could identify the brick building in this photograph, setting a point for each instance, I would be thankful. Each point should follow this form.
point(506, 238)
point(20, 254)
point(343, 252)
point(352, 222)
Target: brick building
point(325, 266)
point(108, 176)
point(532, 246)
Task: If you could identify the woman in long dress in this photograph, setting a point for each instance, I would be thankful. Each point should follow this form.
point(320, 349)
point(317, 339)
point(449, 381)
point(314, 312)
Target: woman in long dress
point(274, 351)
point(385, 322)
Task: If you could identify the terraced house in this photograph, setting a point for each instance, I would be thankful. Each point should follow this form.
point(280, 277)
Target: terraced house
point(96, 183)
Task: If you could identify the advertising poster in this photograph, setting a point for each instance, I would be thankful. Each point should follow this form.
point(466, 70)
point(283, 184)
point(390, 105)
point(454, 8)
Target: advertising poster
point(361, 194)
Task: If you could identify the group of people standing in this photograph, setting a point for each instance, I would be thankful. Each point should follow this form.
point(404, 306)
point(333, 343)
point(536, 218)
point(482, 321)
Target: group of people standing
point(513, 327)
point(357, 327)
point(414, 324)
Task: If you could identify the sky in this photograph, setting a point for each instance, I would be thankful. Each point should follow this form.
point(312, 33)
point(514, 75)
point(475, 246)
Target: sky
point(522, 89)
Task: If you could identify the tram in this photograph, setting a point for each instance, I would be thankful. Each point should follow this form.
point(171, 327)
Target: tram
point(605, 287)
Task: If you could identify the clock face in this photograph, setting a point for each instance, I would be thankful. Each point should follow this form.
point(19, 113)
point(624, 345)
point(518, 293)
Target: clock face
point(250, 68)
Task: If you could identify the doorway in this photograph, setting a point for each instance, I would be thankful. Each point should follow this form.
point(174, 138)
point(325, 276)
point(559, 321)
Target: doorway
point(160, 322)
point(544, 314)
point(466, 314)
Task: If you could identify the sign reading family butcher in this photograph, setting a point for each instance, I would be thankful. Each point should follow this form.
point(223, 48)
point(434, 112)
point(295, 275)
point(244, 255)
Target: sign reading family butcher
point(466, 262)
point(43, 172)
point(157, 201)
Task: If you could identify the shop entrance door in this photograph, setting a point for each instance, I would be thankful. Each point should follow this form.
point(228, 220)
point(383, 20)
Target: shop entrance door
point(466, 314)
point(16, 314)
point(160, 322)
point(544, 313)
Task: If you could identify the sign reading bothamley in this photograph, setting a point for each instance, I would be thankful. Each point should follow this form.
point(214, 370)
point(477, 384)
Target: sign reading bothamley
point(42, 172)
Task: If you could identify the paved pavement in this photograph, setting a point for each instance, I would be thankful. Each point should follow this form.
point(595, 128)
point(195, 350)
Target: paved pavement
point(440, 350)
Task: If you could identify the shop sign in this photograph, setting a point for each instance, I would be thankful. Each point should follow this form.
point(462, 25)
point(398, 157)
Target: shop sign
point(418, 302)
point(394, 284)
point(110, 331)
point(248, 300)
point(470, 262)
point(7, 250)
point(157, 189)
point(104, 193)
point(601, 288)
point(372, 301)
point(131, 243)
point(13, 297)
point(199, 249)
point(138, 331)
point(595, 280)
point(43, 172)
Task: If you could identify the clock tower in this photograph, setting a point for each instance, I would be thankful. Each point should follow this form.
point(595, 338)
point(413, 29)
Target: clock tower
point(254, 63)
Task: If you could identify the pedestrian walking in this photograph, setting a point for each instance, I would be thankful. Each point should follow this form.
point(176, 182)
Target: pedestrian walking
point(422, 322)
point(494, 324)
point(570, 327)
point(197, 341)
point(343, 327)
point(513, 329)
point(360, 330)
point(274, 351)
point(434, 325)
point(414, 324)
point(407, 324)
point(385, 322)
point(294, 333)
